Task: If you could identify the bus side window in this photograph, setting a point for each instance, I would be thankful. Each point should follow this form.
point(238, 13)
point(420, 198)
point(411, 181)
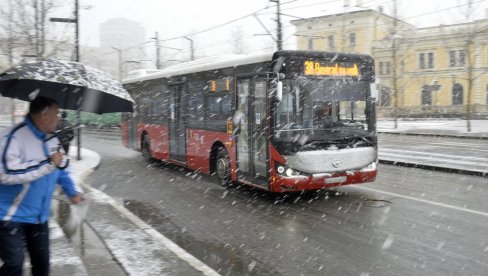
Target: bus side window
point(218, 100)
point(158, 104)
point(196, 110)
point(219, 106)
point(145, 107)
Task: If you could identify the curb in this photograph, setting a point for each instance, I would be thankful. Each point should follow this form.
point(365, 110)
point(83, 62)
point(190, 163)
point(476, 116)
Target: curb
point(461, 136)
point(173, 247)
point(154, 234)
point(432, 168)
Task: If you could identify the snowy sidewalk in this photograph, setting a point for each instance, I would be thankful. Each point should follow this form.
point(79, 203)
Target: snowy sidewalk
point(136, 247)
point(447, 127)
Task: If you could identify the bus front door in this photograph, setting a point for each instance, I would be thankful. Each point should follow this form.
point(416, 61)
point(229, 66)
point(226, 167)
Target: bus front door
point(177, 125)
point(251, 140)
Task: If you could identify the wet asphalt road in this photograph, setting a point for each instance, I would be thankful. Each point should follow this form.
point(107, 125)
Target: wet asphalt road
point(409, 222)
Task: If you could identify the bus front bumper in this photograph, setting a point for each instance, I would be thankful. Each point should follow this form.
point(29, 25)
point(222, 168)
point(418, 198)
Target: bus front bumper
point(321, 181)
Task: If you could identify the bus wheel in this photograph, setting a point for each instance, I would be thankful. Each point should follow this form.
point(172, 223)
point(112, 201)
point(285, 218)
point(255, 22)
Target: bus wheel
point(146, 148)
point(222, 167)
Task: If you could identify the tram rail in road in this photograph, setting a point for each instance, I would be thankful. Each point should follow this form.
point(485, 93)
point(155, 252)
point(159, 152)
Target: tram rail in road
point(429, 160)
point(402, 157)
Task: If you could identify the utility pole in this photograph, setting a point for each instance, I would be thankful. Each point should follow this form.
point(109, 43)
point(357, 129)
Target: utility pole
point(39, 28)
point(77, 32)
point(279, 34)
point(158, 53)
point(192, 50)
point(76, 21)
point(121, 71)
point(36, 22)
point(77, 59)
point(10, 50)
point(394, 62)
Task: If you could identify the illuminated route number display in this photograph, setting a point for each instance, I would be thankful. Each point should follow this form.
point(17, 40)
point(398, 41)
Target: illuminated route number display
point(315, 68)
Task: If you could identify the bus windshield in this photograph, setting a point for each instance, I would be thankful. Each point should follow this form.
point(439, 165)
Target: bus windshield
point(323, 109)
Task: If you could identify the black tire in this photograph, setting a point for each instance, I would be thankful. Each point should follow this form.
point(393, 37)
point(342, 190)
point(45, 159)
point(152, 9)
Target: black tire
point(146, 148)
point(222, 168)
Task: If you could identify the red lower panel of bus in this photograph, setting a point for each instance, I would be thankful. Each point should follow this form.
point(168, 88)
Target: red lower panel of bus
point(283, 184)
point(124, 130)
point(158, 137)
point(200, 143)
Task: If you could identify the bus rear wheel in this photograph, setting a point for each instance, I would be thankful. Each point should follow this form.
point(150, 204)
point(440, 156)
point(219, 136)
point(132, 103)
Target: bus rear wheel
point(146, 148)
point(222, 168)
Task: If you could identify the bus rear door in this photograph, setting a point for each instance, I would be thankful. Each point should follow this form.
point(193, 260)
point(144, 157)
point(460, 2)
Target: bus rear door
point(131, 130)
point(251, 140)
point(177, 124)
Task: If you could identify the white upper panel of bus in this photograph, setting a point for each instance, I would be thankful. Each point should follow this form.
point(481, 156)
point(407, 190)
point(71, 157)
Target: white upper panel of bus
point(205, 64)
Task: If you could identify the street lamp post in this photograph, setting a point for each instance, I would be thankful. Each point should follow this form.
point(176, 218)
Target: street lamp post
point(77, 59)
point(192, 51)
point(158, 52)
point(120, 62)
point(279, 39)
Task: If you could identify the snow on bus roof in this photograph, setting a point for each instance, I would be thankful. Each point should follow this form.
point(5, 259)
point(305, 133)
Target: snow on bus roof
point(204, 64)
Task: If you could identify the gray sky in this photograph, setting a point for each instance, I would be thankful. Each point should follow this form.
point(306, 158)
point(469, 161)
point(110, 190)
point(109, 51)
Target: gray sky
point(175, 18)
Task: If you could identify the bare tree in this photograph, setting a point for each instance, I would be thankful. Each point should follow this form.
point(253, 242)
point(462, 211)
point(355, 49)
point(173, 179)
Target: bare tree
point(24, 32)
point(8, 32)
point(25, 28)
point(472, 41)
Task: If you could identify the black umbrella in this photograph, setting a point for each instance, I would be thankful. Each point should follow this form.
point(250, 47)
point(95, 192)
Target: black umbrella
point(74, 85)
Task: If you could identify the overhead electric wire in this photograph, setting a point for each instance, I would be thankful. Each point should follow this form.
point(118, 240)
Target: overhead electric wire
point(437, 11)
point(407, 18)
point(286, 26)
point(195, 33)
point(214, 27)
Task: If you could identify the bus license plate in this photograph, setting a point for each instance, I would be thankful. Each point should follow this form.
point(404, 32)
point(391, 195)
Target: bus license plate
point(335, 179)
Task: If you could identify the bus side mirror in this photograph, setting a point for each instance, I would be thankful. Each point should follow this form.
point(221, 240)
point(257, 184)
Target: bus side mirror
point(279, 91)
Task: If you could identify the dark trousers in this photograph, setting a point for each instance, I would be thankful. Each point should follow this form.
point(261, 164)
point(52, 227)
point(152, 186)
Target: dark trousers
point(13, 237)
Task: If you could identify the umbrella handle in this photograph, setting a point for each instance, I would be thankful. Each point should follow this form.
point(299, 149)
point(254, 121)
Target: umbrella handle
point(65, 166)
point(67, 161)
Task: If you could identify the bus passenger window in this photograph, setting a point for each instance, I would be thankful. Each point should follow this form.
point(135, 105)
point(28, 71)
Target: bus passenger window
point(219, 106)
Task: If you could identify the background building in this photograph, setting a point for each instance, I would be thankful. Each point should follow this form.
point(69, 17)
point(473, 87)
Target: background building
point(435, 71)
point(125, 42)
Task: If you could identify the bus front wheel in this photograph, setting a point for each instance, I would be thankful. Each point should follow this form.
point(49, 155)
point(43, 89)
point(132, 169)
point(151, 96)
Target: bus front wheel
point(222, 167)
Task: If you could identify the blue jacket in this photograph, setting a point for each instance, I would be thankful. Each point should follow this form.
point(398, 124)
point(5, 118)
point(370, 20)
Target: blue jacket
point(27, 178)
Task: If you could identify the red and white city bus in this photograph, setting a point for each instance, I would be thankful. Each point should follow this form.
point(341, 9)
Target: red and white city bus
point(283, 121)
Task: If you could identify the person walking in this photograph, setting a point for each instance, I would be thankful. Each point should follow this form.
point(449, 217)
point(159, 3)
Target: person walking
point(32, 164)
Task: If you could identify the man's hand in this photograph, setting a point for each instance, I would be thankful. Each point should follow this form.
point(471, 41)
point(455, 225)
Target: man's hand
point(57, 158)
point(77, 199)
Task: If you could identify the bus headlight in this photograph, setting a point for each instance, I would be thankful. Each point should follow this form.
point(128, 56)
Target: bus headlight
point(287, 171)
point(280, 169)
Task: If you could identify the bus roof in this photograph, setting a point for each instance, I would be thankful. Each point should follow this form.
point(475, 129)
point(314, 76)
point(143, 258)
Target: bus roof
point(226, 61)
point(204, 64)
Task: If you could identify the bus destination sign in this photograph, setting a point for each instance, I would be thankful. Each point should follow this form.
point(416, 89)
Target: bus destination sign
point(317, 69)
